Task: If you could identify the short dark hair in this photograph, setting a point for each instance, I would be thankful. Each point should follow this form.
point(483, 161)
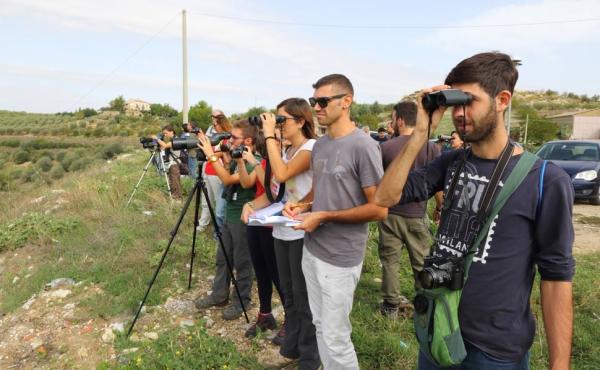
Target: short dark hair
point(338, 80)
point(168, 128)
point(381, 129)
point(407, 110)
point(248, 130)
point(454, 132)
point(299, 109)
point(493, 71)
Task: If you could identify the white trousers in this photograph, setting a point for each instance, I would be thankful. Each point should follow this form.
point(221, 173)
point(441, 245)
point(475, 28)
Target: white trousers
point(330, 294)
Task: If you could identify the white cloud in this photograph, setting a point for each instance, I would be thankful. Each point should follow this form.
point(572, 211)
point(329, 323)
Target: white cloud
point(519, 40)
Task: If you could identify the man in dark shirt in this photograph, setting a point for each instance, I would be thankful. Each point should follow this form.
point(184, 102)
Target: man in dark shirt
point(534, 228)
point(405, 224)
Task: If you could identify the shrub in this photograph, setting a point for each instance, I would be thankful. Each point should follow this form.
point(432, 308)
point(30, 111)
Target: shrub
point(60, 155)
point(67, 160)
point(21, 156)
point(29, 174)
point(78, 164)
point(57, 171)
point(111, 150)
point(11, 143)
point(44, 164)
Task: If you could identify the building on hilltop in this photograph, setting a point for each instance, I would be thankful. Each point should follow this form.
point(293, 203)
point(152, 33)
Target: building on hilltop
point(579, 125)
point(135, 107)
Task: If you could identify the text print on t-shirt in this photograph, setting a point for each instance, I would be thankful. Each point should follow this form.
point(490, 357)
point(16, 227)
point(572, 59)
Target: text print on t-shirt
point(458, 226)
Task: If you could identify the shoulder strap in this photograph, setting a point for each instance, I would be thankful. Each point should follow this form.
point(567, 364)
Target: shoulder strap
point(515, 179)
point(541, 188)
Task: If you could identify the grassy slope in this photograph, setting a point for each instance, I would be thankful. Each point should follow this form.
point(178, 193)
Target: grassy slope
point(92, 237)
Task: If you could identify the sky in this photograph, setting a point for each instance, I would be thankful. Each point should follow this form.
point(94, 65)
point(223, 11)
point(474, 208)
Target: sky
point(62, 55)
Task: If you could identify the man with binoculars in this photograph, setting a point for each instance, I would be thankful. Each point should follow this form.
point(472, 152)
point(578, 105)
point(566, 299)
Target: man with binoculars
point(495, 318)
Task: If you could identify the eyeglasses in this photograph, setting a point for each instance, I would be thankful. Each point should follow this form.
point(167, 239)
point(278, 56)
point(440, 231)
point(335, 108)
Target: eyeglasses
point(324, 100)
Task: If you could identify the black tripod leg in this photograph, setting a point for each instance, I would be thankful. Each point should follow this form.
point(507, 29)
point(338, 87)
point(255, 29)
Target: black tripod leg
point(198, 195)
point(227, 260)
point(195, 190)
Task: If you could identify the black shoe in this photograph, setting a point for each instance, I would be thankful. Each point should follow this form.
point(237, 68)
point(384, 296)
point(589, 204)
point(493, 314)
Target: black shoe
point(208, 301)
point(265, 321)
point(388, 310)
point(278, 339)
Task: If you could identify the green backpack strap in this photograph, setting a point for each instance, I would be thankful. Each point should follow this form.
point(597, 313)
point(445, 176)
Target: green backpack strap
point(515, 179)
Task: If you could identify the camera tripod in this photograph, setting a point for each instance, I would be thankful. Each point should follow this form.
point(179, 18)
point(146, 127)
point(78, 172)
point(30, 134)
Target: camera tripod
point(159, 163)
point(199, 187)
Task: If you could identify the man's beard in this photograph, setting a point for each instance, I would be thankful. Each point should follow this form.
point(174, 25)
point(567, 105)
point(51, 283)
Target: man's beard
point(484, 128)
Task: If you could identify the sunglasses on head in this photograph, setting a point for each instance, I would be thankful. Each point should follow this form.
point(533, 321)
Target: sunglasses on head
point(324, 100)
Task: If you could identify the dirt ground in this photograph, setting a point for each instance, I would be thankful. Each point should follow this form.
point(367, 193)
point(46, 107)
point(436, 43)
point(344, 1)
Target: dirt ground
point(587, 235)
point(51, 331)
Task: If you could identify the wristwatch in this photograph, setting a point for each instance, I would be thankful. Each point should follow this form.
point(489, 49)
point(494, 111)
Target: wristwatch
point(213, 158)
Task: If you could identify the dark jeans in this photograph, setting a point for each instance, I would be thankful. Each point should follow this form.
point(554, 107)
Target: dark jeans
point(262, 252)
point(300, 340)
point(236, 245)
point(476, 360)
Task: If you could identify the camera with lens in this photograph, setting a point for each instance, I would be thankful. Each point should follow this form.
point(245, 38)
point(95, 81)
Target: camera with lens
point(225, 147)
point(181, 143)
point(444, 139)
point(195, 130)
point(445, 98)
point(442, 271)
point(148, 143)
point(257, 121)
point(236, 153)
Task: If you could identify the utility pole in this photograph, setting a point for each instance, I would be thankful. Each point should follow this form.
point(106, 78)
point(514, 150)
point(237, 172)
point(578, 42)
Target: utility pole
point(526, 124)
point(185, 108)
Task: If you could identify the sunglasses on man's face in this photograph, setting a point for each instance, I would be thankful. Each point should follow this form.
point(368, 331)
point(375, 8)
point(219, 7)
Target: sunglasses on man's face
point(323, 101)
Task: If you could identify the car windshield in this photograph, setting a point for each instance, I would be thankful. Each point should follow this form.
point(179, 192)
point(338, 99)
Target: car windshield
point(570, 152)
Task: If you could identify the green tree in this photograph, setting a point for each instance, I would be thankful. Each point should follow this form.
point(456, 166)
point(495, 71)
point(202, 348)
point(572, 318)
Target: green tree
point(200, 114)
point(117, 104)
point(163, 110)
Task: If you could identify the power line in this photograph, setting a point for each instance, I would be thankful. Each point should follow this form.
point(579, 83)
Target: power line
point(124, 62)
point(362, 27)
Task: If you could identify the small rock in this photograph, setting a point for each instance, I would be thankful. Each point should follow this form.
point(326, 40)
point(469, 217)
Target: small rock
point(38, 200)
point(42, 351)
point(118, 327)
point(151, 335)
point(209, 323)
point(28, 276)
point(377, 280)
point(37, 342)
point(186, 323)
point(16, 279)
point(69, 306)
point(60, 282)
point(27, 305)
point(127, 351)
point(82, 353)
point(148, 213)
point(179, 307)
point(60, 293)
point(108, 336)
point(86, 329)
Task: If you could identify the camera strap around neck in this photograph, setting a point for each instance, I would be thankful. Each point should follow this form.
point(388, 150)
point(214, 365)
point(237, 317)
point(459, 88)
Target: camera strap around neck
point(489, 193)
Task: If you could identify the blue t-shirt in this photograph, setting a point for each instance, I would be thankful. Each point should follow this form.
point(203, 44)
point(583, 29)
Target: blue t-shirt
point(494, 311)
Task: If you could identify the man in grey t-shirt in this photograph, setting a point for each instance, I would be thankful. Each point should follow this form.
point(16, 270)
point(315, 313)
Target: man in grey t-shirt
point(347, 168)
